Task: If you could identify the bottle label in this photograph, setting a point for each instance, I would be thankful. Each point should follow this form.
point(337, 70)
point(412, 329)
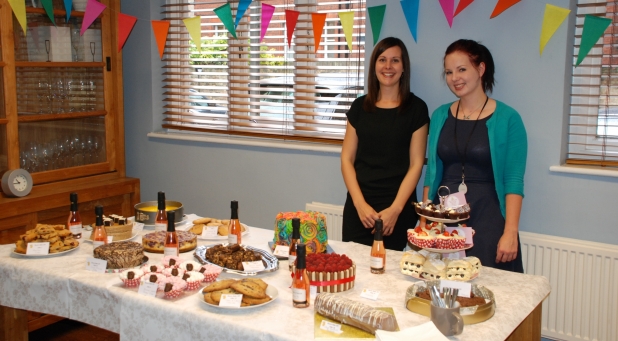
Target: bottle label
point(160, 227)
point(97, 243)
point(232, 239)
point(377, 263)
point(76, 229)
point(170, 251)
point(291, 259)
point(299, 295)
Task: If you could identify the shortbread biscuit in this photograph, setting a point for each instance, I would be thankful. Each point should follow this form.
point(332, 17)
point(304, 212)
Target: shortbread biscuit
point(223, 231)
point(197, 229)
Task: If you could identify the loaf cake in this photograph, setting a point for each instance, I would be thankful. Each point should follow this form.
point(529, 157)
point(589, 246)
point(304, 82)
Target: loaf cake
point(312, 230)
point(354, 313)
point(120, 255)
point(155, 241)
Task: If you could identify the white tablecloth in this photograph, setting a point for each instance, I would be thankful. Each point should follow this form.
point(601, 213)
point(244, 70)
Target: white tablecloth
point(62, 286)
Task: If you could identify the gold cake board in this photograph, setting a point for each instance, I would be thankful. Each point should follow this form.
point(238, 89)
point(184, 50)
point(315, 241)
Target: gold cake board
point(347, 332)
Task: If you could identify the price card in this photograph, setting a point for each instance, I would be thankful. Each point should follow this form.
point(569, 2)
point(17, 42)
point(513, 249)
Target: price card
point(110, 239)
point(464, 288)
point(38, 248)
point(230, 300)
point(455, 200)
point(148, 289)
point(96, 265)
point(467, 232)
point(253, 266)
point(330, 326)
point(370, 294)
point(282, 251)
point(210, 232)
point(313, 290)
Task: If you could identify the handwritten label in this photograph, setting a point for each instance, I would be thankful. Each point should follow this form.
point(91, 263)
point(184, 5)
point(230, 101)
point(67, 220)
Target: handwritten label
point(210, 232)
point(110, 239)
point(464, 288)
point(253, 266)
point(230, 300)
point(455, 200)
point(148, 289)
point(370, 294)
point(331, 327)
point(96, 265)
point(38, 248)
point(282, 251)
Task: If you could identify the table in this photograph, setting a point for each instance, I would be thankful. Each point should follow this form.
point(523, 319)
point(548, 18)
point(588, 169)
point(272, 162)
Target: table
point(62, 286)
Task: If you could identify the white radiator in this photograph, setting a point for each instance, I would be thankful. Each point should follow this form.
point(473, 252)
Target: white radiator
point(334, 218)
point(583, 303)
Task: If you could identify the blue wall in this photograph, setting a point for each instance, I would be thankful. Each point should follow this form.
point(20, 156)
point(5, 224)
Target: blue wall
point(206, 176)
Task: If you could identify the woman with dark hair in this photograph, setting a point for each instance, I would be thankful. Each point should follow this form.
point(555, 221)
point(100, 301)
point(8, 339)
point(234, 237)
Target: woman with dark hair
point(384, 150)
point(478, 146)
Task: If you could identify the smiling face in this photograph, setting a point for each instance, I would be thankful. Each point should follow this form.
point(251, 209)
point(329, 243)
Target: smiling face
point(389, 67)
point(463, 77)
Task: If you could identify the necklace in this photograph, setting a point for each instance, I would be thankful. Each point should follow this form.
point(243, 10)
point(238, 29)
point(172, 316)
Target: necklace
point(462, 187)
point(467, 117)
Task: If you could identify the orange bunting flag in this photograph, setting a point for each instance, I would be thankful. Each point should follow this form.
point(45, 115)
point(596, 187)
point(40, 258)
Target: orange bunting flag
point(19, 9)
point(125, 25)
point(291, 18)
point(318, 20)
point(462, 5)
point(502, 6)
point(160, 28)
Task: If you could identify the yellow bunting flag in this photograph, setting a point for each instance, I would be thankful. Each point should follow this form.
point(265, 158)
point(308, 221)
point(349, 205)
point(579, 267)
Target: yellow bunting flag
point(553, 18)
point(347, 23)
point(318, 20)
point(193, 26)
point(19, 9)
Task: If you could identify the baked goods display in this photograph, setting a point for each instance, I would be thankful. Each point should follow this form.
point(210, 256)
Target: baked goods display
point(155, 241)
point(121, 255)
point(59, 238)
point(231, 256)
point(354, 313)
point(331, 272)
point(117, 227)
point(221, 224)
point(431, 210)
point(431, 236)
point(418, 266)
point(253, 290)
point(312, 230)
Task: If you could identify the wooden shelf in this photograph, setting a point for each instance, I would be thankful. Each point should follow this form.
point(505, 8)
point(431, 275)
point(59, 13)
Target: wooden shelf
point(57, 12)
point(60, 64)
point(56, 117)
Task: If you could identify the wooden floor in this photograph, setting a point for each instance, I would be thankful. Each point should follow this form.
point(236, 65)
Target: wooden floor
point(69, 330)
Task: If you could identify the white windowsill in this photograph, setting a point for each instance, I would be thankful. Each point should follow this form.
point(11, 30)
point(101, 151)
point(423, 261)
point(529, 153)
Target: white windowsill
point(245, 141)
point(585, 170)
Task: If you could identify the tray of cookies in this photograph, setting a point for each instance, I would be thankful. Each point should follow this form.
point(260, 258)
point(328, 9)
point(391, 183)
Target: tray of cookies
point(255, 293)
point(222, 226)
point(60, 240)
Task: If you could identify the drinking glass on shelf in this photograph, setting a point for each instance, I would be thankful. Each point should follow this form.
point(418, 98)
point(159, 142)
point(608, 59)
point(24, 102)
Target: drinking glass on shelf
point(83, 93)
point(75, 43)
point(92, 95)
point(42, 89)
point(96, 144)
point(93, 48)
point(45, 156)
point(60, 94)
point(47, 48)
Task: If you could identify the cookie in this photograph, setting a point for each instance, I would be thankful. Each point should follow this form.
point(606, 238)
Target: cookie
point(208, 299)
point(219, 285)
point(254, 301)
point(197, 229)
point(260, 282)
point(216, 295)
point(249, 288)
point(20, 246)
point(205, 220)
point(223, 231)
point(64, 233)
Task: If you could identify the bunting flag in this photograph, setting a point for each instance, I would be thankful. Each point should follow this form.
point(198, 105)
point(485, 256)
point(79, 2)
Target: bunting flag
point(291, 18)
point(462, 5)
point(195, 30)
point(93, 10)
point(242, 8)
point(49, 9)
point(125, 25)
point(317, 20)
point(502, 6)
point(68, 6)
point(19, 10)
point(347, 23)
point(410, 11)
point(376, 17)
point(447, 8)
point(267, 14)
point(224, 12)
point(160, 28)
point(554, 17)
point(594, 27)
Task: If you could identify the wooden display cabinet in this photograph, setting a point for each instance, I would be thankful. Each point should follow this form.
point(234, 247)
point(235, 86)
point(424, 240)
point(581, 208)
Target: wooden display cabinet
point(61, 118)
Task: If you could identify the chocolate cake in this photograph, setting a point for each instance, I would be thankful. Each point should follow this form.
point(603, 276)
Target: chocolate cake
point(121, 255)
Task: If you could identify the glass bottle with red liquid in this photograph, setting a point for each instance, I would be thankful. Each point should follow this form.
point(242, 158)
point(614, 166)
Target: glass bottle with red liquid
point(300, 283)
point(378, 252)
point(235, 230)
point(161, 217)
point(171, 246)
point(99, 234)
point(74, 223)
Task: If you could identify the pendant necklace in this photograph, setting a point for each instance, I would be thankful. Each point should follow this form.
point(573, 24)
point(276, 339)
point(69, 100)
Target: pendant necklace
point(471, 112)
point(462, 187)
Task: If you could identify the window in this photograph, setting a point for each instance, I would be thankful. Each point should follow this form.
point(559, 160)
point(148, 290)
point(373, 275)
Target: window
point(268, 89)
point(593, 124)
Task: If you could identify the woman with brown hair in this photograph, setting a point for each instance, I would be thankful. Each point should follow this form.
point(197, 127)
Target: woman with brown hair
point(384, 150)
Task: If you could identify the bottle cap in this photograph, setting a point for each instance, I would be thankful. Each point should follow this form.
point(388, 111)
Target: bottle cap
point(161, 201)
point(301, 252)
point(171, 224)
point(98, 210)
point(234, 205)
point(296, 228)
point(73, 197)
point(377, 234)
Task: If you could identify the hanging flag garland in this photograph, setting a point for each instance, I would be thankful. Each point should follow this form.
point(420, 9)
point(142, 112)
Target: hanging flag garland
point(461, 6)
point(291, 17)
point(68, 6)
point(242, 8)
point(502, 6)
point(376, 18)
point(19, 10)
point(93, 10)
point(125, 26)
point(267, 14)
point(594, 28)
point(224, 13)
point(347, 23)
point(410, 12)
point(49, 9)
point(160, 29)
point(317, 20)
point(447, 8)
point(552, 19)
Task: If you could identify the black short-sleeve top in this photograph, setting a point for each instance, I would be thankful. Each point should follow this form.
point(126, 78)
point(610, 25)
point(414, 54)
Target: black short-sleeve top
point(384, 137)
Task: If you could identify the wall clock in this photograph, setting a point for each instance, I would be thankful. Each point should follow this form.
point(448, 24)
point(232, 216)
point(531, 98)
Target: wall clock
point(16, 183)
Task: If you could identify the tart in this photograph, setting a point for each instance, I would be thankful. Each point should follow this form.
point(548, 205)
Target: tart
point(155, 241)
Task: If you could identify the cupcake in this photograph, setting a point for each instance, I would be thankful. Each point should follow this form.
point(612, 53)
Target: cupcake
point(152, 277)
point(452, 214)
point(458, 241)
point(174, 272)
point(417, 207)
point(190, 265)
point(131, 278)
point(438, 213)
point(153, 268)
point(210, 272)
point(428, 210)
point(193, 279)
point(171, 261)
point(172, 287)
point(443, 241)
point(424, 240)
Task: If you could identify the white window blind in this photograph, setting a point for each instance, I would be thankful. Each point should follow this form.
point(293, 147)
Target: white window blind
point(268, 89)
point(593, 122)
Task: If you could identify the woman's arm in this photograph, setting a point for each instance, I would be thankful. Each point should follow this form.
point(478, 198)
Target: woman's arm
point(366, 213)
point(507, 246)
point(418, 143)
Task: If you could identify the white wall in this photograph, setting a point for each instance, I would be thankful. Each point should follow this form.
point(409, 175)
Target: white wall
point(206, 176)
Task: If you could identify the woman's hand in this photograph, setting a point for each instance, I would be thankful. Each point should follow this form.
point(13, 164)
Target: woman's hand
point(389, 218)
point(367, 215)
point(507, 248)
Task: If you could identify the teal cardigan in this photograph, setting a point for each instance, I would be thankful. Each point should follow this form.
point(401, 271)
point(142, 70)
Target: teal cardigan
point(508, 145)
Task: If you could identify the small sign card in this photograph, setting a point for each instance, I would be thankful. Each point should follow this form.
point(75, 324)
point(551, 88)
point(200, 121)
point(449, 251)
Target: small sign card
point(96, 265)
point(253, 266)
point(148, 289)
point(331, 327)
point(370, 294)
point(110, 239)
point(313, 291)
point(464, 288)
point(230, 300)
point(282, 251)
point(455, 200)
point(210, 232)
point(467, 231)
point(38, 248)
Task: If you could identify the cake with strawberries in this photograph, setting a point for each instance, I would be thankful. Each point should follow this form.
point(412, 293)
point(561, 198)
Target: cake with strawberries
point(331, 272)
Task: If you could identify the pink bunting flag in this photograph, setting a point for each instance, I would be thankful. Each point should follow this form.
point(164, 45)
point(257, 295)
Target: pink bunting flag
point(93, 10)
point(267, 14)
point(125, 25)
point(447, 8)
point(291, 18)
